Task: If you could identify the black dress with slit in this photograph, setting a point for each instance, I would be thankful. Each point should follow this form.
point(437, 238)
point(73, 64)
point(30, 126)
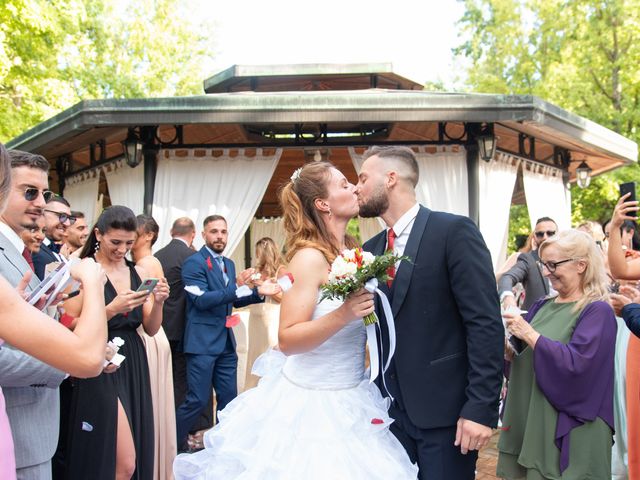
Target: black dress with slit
point(94, 408)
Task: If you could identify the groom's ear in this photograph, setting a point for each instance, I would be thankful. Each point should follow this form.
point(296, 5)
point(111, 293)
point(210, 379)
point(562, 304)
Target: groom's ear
point(392, 179)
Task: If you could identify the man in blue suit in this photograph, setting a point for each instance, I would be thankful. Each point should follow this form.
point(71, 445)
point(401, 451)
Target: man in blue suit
point(446, 374)
point(209, 345)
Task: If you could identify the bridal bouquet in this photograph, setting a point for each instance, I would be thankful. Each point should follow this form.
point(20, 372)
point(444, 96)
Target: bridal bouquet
point(352, 269)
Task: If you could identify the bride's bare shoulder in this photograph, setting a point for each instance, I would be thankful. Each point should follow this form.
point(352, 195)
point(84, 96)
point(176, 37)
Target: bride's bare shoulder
point(308, 258)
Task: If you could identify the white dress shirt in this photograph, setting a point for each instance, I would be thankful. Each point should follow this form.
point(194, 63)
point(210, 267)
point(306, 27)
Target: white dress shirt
point(12, 236)
point(402, 228)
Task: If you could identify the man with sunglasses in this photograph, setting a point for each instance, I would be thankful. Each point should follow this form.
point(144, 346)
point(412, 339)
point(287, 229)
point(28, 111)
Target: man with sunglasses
point(527, 271)
point(57, 218)
point(30, 387)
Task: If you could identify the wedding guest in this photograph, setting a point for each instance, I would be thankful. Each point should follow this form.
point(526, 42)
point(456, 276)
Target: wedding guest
point(526, 246)
point(111, 427)
point(57, 218)
point(76, 234)
point(264, 317)
point(526, 271)
point(171, 257)
point(269, 263)
point(626, 267)
point(558, 420)
point(80, 353)
point(33, 237)
point(159, 359)
point(32, 409)
point(209, 343)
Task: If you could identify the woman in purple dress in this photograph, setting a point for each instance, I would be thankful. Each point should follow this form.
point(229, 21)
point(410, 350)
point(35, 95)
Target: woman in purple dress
point(558, 419)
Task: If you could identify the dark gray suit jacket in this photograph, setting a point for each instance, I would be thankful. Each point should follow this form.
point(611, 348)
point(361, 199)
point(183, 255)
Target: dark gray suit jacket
point(30, 386)
point(171, 257)
point(527, 272)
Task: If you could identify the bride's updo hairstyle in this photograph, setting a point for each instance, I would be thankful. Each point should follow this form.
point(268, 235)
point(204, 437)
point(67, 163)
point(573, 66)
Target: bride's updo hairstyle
point(303, 223)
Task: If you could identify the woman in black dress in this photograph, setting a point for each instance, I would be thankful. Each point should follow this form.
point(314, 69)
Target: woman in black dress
point(111, 421)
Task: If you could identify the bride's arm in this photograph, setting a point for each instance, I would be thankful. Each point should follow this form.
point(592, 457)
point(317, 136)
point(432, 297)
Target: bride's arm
point(296, 333)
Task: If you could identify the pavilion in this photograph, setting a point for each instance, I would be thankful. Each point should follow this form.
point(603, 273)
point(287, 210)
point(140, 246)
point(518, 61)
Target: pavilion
point(229, 150)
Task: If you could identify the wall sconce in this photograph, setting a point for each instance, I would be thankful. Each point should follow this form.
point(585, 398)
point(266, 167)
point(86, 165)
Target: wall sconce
point(132, 149)
point(583, 175)
point(487, 146)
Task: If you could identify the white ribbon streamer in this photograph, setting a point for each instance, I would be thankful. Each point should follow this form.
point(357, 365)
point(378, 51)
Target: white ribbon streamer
point(372, 287)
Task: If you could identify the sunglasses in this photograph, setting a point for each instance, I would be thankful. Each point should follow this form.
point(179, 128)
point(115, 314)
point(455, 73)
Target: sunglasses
point(63, 217)
point(548, 233)
point(31, 193)
point(551, 266)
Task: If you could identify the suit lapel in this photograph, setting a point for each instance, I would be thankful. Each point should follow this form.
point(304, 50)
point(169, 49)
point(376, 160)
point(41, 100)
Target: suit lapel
point(405, 270)
point(545, 283)
point(215, 268)
point(17, 261)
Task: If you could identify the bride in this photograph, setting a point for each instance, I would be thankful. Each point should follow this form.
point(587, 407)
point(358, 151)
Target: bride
point(314, 414)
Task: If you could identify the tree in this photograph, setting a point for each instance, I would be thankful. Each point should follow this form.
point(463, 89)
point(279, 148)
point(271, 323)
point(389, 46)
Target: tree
point(582, 55)
point(58, 52)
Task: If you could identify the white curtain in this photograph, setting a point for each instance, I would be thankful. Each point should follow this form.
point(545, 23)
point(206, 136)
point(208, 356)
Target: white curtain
point(443, 183)
point(223, 182)
point(546, 194)
point(260, 227)
point(497, 179)
point(126, 185)
point(81, 191)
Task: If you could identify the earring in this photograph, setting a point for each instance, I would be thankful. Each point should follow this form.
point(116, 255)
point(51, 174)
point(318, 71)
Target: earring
point(97, 245)
point(329, 212)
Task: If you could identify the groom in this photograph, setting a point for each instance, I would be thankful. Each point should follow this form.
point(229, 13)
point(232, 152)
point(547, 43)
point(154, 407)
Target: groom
point(446, 374)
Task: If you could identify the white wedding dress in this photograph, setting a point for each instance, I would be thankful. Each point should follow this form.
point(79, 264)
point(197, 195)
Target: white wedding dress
point(312, 416)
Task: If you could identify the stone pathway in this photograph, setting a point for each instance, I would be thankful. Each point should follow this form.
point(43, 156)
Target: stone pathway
point(486, 466)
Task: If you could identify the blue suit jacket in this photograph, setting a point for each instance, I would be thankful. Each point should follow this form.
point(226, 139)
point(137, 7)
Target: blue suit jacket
point(205, 331)
point(449, 333)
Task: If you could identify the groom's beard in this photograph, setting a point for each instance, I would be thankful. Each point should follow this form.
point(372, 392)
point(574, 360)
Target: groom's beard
point(376, 205)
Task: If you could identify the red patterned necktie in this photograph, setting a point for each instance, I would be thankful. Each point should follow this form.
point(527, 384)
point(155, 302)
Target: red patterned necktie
point(391, 271)
point(27, 256)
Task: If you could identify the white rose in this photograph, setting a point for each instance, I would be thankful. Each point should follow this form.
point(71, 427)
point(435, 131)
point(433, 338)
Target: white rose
point(349, 254)
point(367, 258)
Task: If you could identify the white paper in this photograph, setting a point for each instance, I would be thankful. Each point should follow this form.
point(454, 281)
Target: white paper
point(243, 291)
point(194, 290)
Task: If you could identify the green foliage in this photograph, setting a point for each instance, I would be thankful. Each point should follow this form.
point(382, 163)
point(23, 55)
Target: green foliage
point(583, 55)
point(55, 53)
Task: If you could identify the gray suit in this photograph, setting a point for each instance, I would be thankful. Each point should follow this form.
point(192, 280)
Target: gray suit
point(527, 272)
point(30, 389)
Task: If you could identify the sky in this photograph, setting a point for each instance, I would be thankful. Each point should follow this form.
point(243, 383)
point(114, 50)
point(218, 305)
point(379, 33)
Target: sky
point(416, 36)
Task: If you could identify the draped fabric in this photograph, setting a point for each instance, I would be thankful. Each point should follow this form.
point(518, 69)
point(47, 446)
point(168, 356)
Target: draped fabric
point(443, 183)
point(126, 185)
point(226, 182)
point(546, 194)
point(81, 191)
point(497, 179)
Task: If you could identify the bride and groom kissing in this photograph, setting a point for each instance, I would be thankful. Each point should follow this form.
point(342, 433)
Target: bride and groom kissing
point(314, 414)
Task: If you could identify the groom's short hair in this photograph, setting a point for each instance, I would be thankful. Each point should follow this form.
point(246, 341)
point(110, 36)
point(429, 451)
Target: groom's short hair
point(404, 155)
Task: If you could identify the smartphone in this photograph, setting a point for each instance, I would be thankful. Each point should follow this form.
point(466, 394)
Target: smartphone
point(148, 285)
point(629, 187)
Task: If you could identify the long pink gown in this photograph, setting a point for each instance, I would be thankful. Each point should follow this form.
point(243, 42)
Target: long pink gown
point(7, 459)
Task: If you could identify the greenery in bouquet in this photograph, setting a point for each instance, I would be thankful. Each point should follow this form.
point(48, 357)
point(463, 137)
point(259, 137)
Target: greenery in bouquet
point(352, 269)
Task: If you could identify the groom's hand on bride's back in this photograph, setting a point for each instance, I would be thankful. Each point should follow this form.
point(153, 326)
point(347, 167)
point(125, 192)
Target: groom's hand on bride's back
point(357, 305)
point(471, 435)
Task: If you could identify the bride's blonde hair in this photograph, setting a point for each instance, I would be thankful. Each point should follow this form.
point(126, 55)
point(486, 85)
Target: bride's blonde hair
point(303, 223)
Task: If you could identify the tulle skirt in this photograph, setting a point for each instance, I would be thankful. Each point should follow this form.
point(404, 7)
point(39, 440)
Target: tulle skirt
point(281, 430)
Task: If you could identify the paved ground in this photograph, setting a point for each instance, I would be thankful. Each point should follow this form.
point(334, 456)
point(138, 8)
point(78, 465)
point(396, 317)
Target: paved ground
point(486, 466)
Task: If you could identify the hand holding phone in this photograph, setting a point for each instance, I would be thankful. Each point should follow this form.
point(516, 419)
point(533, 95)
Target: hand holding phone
point(148, 285)
point(628, 187)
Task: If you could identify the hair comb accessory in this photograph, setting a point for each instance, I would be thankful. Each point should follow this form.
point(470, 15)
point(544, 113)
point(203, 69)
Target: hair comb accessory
point(296, 175)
